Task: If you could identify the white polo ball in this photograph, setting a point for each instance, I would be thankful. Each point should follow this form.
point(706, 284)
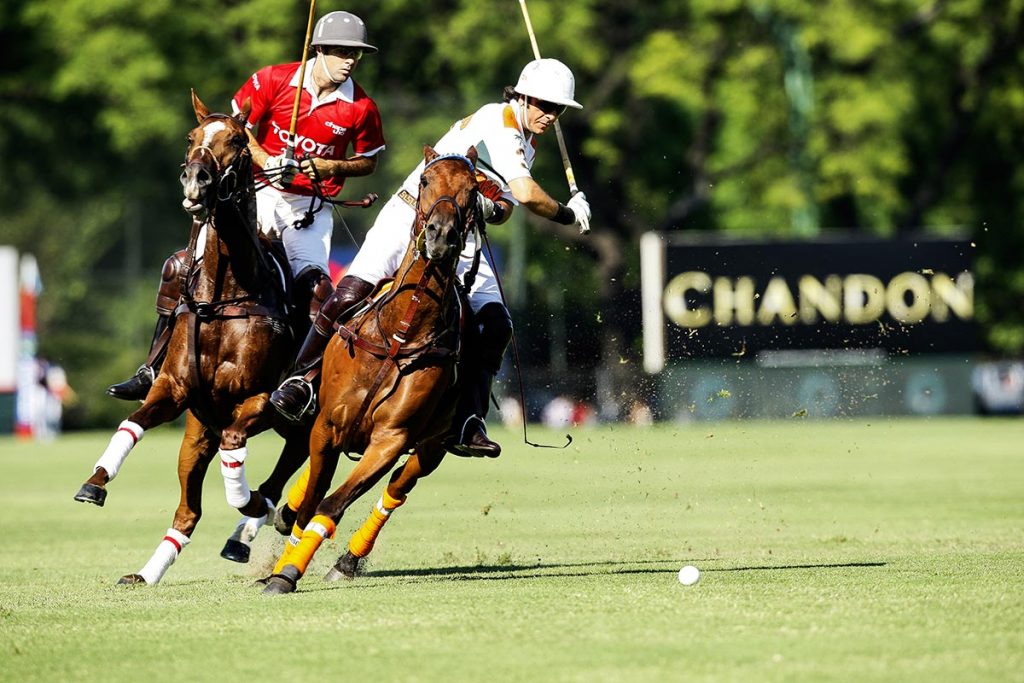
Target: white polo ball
point(689, 575)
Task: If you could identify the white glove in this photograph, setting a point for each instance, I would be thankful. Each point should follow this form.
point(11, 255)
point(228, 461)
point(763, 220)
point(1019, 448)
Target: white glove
point(581, 208)
point(280, 170)
point(486, 206)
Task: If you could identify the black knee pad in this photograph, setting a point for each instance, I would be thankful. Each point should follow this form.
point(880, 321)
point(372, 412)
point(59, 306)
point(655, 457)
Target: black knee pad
point(494, 331)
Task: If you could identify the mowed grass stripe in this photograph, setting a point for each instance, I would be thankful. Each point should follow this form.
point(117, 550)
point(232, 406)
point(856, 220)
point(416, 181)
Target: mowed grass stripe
point(875, 550)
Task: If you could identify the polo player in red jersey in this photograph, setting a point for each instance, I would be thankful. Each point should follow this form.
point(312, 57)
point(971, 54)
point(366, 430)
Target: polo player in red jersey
point(335, 115)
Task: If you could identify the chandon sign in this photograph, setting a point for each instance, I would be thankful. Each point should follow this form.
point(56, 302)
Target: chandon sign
point(729, 299)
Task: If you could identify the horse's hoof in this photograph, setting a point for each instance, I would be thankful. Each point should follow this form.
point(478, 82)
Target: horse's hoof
point(278, 586)
point(347, 567)
point(236, 551)
point(91, 493)
point(131, 580)
point(284, 520)
point(284, 582)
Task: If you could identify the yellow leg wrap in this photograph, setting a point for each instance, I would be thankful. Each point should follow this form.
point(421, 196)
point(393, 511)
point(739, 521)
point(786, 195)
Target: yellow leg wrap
point(283, 560)
point(363, 539)
point(388, 502)
point(319, 528)
point(298, 491)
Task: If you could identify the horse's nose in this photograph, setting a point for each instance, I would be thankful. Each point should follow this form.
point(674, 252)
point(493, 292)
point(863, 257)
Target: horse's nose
point(197, 175)
point(203, 176)
point(452, 239)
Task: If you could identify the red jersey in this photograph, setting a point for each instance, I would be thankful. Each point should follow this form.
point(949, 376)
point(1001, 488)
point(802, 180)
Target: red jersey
point(325, 128)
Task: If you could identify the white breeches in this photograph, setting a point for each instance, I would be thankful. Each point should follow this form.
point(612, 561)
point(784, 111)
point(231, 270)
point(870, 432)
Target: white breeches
point(276, 213)
point(385, 245)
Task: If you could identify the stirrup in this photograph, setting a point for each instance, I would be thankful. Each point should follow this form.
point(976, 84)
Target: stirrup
point(306, 410)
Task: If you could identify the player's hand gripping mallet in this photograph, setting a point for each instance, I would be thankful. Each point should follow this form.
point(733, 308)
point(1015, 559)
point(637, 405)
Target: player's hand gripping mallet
point(569, 175)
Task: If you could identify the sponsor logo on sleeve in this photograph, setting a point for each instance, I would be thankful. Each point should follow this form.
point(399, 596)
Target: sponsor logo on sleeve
point(335, 128)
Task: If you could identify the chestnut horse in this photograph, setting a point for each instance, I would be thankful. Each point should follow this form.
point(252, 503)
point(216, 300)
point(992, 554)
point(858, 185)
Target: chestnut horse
point(229, 346)
point(387, 380)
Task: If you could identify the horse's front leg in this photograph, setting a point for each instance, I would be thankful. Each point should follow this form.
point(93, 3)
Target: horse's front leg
point(294, 453)
point(311, 487)
point(380, 456)
point(160, 406)
point(424, 460)
point(197, 449)
point(252, 417)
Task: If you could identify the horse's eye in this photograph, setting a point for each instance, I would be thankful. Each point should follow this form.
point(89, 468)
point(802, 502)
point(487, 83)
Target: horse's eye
point(238, 141)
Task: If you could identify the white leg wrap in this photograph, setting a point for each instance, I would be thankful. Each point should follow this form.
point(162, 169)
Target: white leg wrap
point(121, 443)
point(248, 527)
point(232, 467)
point(164, 556)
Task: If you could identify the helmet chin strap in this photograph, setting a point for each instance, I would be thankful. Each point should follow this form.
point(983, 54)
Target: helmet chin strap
point(522, 115)
point(323, 62)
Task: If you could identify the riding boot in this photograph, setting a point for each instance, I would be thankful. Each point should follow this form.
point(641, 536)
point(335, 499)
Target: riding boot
point(485, 346)
point(471, 440)
point(295, 399)
point(171, 276)
point(136, 387)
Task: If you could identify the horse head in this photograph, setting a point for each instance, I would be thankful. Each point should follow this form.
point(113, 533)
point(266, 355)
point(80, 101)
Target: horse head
point(447, 203)
point(217, 161)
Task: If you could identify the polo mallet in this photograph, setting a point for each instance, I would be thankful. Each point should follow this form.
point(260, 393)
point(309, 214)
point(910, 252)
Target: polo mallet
point(289, 152)
point(569, 175)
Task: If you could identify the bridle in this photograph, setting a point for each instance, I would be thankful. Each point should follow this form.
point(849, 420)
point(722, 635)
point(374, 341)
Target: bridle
point(227, 181)
point(466, 223)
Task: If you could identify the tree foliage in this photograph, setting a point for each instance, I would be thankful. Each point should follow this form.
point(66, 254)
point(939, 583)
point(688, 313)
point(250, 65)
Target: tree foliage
point(759, 117)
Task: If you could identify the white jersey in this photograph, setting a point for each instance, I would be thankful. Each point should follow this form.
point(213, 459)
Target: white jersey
point(505, 153)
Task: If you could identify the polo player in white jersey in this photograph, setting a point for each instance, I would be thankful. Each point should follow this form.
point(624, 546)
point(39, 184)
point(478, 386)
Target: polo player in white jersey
point(505, 136)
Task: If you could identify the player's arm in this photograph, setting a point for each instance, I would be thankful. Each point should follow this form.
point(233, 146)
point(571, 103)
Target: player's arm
point(338, 168)
point(500, 208)
point(531, 195)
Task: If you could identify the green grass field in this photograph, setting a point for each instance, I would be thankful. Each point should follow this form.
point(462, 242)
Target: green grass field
point(855, 550)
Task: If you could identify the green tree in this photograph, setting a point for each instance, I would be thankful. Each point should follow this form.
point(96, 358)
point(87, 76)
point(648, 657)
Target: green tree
point(753, 117)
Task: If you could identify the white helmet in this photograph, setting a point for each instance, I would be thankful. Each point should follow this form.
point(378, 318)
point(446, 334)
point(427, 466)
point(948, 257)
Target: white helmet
point(549, 80)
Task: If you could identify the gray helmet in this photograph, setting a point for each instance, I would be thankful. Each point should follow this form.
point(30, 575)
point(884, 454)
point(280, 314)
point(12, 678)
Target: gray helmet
point(341, 28)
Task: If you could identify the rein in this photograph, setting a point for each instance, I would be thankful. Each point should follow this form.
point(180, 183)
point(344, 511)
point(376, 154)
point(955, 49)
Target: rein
point(519, 365)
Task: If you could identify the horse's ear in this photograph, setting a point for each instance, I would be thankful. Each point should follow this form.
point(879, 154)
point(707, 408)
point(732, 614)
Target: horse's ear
point(471, 154)
point(197, 104)
point(243, 116)
point(428, 153)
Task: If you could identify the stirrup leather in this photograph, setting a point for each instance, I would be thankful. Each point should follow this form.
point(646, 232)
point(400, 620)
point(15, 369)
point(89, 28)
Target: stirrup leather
point(308, 409)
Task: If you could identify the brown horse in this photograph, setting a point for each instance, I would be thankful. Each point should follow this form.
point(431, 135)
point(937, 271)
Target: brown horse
point(229, 346)
point(387, 381)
